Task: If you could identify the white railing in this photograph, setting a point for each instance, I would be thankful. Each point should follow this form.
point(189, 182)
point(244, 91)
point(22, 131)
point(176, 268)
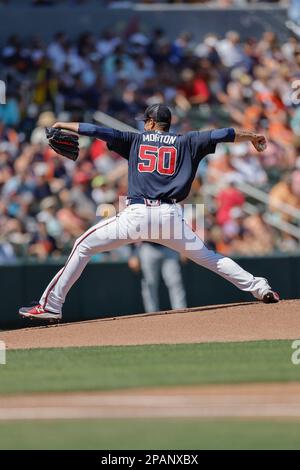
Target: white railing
point(109, 121)
point(262, 196)
point(248, 208)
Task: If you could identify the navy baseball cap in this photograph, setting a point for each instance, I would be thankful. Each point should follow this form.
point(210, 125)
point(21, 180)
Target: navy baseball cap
point(157, 112)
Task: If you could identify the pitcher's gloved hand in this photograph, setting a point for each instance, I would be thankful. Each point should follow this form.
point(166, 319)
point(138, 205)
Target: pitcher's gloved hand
point(62, 142)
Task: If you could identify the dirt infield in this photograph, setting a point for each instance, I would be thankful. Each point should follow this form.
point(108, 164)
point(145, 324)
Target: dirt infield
point(224, 401)
point(232, 322)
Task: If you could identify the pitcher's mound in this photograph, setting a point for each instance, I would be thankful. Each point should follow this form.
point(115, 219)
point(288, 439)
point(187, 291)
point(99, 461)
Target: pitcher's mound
point(231, 322)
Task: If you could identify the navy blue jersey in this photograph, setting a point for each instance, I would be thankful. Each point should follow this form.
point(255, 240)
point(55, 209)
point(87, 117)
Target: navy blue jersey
point(162, 165)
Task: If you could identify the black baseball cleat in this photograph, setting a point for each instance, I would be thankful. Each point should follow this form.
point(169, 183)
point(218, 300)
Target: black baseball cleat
point(37, 312)
point(271, 297)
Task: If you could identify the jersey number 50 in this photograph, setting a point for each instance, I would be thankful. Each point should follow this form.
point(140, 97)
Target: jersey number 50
point(162, 159)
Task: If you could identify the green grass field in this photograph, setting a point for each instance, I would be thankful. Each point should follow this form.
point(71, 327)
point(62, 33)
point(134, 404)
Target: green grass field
point(105, 368)
point(143, 434)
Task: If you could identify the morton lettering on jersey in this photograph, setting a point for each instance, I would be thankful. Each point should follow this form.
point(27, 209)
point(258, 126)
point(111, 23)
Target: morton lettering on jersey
point(162, 138)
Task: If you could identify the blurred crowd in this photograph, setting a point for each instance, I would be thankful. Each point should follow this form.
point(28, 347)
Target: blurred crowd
point(118, 3)
point(47, 201)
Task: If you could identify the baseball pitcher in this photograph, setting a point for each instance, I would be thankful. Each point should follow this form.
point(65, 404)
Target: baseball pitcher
point(161, 169)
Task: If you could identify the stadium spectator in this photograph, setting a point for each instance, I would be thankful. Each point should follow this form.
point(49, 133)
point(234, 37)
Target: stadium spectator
point(286, 192)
